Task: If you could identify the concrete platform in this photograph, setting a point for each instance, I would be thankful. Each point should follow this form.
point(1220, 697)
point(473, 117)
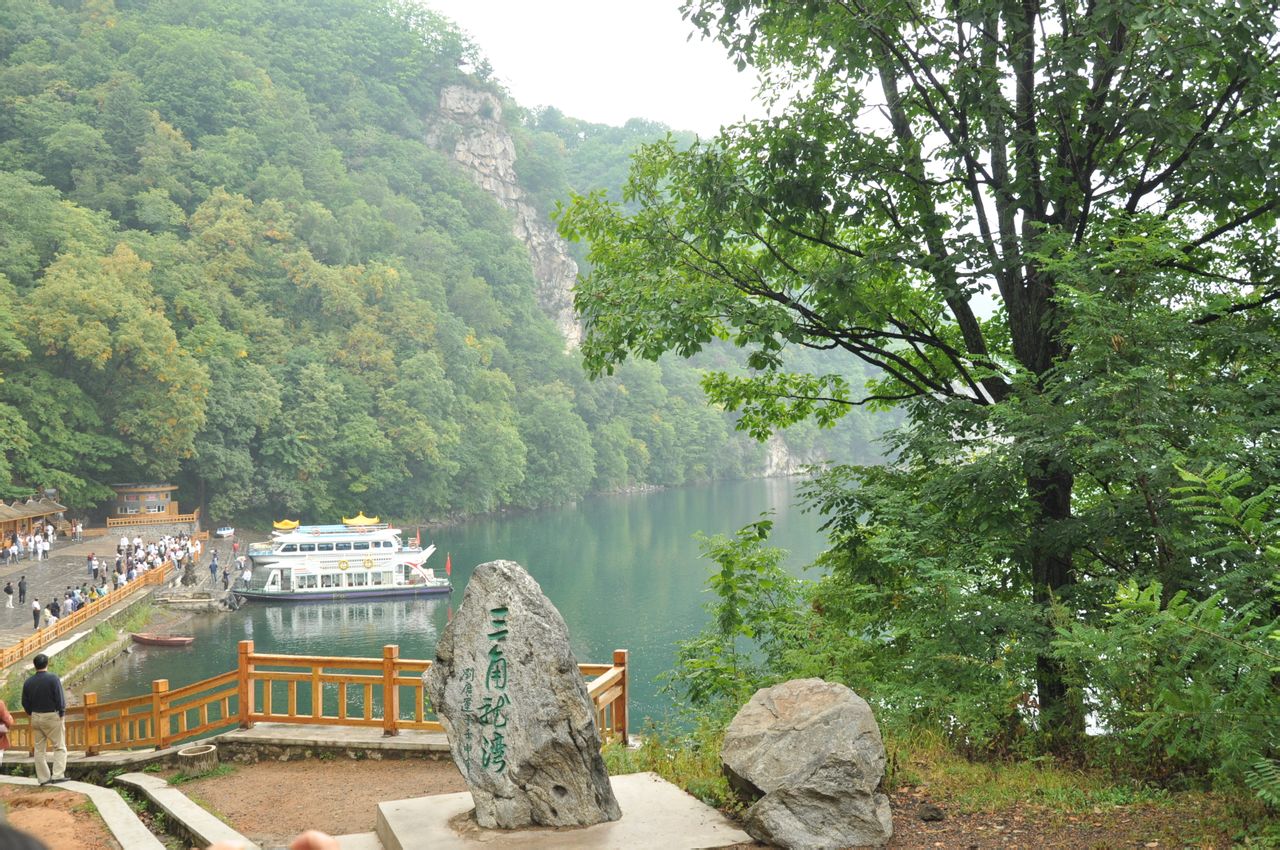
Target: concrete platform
point(655, 813)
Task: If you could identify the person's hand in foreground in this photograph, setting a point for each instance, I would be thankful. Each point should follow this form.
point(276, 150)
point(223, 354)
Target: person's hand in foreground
point(312, 839)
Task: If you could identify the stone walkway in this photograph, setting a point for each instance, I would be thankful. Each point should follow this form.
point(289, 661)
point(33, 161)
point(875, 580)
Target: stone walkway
point(65, 567)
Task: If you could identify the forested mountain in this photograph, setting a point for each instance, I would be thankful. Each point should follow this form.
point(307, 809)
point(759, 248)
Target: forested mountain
point(231, 257)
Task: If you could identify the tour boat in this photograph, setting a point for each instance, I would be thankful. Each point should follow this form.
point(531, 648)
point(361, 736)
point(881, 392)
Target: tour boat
point(308, 578)
point(359, 559)
point(152, 639)
point(356, 542)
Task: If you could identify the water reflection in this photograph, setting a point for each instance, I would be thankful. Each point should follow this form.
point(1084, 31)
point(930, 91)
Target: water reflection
point(312, 624)
point(624, 571)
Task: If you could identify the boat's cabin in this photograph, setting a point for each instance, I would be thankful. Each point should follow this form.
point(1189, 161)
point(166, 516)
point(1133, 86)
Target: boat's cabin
point(302, 579)
point(338, 547)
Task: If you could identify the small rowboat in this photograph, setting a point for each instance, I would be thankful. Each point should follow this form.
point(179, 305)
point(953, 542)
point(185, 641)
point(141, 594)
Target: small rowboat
point(149, 639)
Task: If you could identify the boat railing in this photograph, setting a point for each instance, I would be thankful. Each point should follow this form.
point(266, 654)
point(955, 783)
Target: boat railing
point(38, 640)
point(383, 693)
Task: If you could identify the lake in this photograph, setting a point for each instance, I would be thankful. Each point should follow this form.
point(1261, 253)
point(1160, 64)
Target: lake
point(624, 571)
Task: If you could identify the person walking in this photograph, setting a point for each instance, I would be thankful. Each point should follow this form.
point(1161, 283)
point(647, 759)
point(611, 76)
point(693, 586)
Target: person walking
point(36, 610)
point(6, 723)
point(8, 594)
point(22, 590)
point(43, 701)
point(213, 569)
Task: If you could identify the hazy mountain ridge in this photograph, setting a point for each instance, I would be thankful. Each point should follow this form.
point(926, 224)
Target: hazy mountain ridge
point(231, 254)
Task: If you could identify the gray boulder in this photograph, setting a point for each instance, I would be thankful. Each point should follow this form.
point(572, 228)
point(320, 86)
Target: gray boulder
point(507, 690)
point(809, 754)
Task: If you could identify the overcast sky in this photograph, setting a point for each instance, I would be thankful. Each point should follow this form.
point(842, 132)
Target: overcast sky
point(607, 60)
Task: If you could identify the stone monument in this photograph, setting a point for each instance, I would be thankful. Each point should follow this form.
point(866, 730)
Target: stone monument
point(507, 690)
point(809, 754)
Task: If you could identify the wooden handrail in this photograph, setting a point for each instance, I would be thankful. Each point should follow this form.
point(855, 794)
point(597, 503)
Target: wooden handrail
point(318, 689)
point(152, 519)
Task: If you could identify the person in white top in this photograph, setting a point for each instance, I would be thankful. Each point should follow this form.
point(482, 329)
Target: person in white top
point(124, 543)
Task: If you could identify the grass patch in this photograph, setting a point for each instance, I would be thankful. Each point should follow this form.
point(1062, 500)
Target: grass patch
point(102, 636)
point(691, 761)
point(214, 772)
point(921, 761)
point(87, 807)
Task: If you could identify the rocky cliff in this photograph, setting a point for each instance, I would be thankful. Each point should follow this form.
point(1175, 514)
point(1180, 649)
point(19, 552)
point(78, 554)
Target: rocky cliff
point(470, 128)
point(780, 460)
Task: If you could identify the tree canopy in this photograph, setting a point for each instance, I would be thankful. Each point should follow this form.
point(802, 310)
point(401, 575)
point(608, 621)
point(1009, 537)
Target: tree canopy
point(228, 256)
point(1051, 230)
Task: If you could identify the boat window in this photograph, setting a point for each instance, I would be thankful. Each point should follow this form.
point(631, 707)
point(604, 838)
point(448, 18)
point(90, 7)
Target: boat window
point(306, 547)
point(289, 547)
point(360, 545)
point(307, 582)
point(273, 583)
point(378, 577)
point(326, 580)
point(342, 547)
point(324, 547)
point(359, 579)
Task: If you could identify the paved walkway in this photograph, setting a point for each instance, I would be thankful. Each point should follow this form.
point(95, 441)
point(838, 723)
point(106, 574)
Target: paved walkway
point(64, 568)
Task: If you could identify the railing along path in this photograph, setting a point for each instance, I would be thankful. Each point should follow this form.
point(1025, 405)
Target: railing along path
point(383, 693)
point(38, 640)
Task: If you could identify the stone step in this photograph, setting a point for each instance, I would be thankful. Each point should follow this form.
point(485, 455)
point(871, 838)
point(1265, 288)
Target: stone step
point(655, 813)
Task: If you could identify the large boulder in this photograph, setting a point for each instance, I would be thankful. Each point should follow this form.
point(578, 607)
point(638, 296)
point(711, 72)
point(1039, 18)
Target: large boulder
point(809, 754)
point(521, 728)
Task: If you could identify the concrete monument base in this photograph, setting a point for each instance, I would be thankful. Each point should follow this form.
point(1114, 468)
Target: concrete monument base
point(655, 813)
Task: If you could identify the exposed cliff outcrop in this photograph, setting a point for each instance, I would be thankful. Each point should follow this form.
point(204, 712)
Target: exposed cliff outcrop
point(780, 460)
point(470, 129)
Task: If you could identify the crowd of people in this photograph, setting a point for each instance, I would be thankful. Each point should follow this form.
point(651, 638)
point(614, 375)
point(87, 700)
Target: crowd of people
point(133, 557)
point(33, 545)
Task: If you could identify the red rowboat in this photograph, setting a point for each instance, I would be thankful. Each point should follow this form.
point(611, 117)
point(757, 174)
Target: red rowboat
point(149, 639)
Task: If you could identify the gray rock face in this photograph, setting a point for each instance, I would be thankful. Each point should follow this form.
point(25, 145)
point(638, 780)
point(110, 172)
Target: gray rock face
point(809, 753)
point(521, 728)
point(470, 129)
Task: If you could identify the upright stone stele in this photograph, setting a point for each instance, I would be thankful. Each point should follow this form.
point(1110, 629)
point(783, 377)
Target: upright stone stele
point(507, 690)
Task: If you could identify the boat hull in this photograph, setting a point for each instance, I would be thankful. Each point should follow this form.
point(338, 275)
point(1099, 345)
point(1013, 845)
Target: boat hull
point(346, 593)
point(162, 640)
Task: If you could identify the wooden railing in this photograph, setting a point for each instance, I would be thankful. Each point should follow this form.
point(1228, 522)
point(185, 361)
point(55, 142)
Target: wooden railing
point(152, 519)
point(383, 693)
point(14, 653)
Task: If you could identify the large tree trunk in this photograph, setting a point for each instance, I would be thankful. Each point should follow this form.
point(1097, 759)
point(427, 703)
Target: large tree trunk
point(1061, 707)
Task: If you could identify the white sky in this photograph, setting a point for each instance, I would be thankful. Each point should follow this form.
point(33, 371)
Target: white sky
point(605, 61)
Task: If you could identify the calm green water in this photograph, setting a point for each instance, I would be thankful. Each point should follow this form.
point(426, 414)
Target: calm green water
point(624, 571)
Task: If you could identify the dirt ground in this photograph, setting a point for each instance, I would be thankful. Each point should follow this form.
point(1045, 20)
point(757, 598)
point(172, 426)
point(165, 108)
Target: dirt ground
point(271, 802)
point(340, 797)
point(63, 820)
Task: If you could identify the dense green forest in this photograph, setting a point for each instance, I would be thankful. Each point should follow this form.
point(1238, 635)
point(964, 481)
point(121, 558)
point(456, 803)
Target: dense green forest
point(1080, 531)
point(229, 257)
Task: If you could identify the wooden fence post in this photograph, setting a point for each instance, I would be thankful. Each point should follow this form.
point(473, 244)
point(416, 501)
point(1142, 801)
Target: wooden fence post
point(244, 681)
point(91, 736)
point(159, 723)
point(620, 704)
point(390, 691)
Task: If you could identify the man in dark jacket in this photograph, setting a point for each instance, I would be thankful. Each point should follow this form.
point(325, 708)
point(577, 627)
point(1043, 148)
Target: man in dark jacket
point(43, 700)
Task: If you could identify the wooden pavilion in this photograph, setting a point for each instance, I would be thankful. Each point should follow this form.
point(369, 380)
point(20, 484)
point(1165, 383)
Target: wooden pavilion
point(27, 517)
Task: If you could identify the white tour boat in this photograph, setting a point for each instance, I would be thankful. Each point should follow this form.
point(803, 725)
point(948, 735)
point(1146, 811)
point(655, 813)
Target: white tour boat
point(360, 559)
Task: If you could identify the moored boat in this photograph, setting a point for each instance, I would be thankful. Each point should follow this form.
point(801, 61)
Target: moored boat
point(360, 559)
point(300, 580)
point(152, 639)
